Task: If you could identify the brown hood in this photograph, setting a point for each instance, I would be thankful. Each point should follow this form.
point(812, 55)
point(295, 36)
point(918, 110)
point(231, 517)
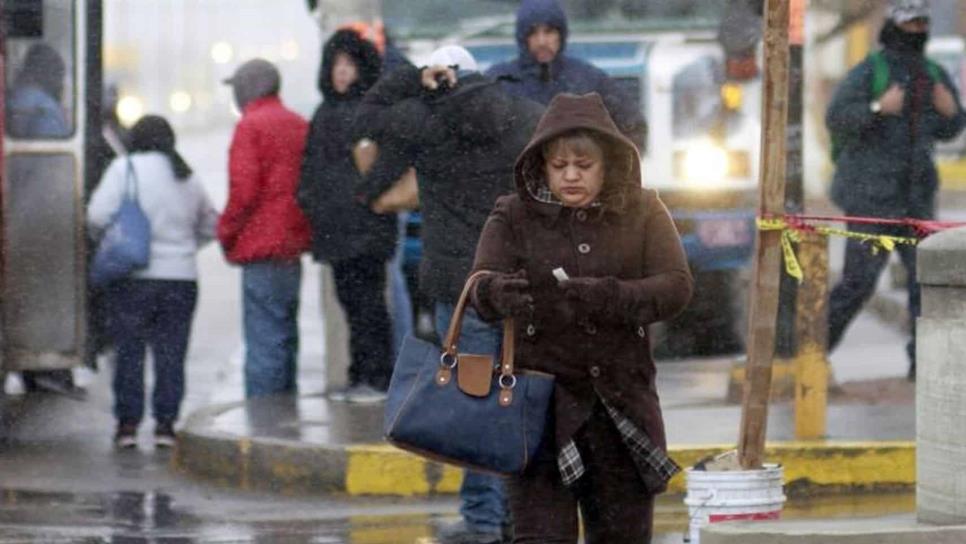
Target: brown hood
point(568, 112)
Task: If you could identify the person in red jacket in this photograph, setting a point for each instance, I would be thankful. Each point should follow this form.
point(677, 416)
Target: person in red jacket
point(262, 228)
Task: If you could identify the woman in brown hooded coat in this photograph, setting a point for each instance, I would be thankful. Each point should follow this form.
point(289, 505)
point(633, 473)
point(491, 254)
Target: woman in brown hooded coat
point(580, 207)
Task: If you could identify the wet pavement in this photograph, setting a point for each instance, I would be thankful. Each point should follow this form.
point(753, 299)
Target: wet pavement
point(692, 396)
point(156, 517)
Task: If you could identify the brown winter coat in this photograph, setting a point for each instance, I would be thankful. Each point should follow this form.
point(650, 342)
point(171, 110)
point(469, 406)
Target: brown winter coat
point(637, 244)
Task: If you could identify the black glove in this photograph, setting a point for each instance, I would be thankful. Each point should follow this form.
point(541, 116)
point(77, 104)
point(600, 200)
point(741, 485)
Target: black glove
point(595, 297)
point(506, 294)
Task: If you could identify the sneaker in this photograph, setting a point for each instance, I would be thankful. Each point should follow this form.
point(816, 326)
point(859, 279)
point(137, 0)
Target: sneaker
point(126, 436)
point(461, 533)
point(164, 436)
point(364, 394)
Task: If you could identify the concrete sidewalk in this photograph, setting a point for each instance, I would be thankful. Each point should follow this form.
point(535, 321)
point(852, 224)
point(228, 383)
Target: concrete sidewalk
point(880, 530)
point(312, 445)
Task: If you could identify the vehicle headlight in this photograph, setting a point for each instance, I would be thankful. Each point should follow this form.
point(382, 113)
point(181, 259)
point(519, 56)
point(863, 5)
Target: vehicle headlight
point(705, 164)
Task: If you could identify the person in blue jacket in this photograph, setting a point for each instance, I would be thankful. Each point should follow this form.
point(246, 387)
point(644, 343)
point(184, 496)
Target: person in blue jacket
point(543, 69)
point(885, 166)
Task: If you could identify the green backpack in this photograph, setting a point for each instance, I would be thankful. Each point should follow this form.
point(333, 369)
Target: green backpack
point(878, 86)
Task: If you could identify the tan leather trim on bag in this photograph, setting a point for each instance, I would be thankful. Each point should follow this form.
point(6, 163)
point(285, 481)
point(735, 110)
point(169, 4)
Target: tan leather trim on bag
point(506, 380)
point(402, 196)
point(364, 155)
point(474, 374)
point(404, 193)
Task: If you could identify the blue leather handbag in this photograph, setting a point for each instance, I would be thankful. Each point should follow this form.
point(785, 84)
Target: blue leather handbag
point(126, 244)
point(464, 409)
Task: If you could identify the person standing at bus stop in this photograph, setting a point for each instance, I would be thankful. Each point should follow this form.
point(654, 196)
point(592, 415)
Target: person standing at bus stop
point(462, 137)
point(885, 167)
point(543, 69)
point(346, 234)
point(262, 228)
point(155, 307)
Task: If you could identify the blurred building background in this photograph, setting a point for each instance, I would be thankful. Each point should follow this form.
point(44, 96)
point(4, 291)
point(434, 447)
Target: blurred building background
point(170, 56)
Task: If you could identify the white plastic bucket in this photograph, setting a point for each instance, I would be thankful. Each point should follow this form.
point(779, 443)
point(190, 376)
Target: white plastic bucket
point(715, 496)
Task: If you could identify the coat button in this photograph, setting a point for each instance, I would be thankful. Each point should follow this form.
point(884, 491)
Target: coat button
point(531, 330)
point(641, 331)
point(590, 328)
point(595, 372)
point(581, 215)
point(584, 248)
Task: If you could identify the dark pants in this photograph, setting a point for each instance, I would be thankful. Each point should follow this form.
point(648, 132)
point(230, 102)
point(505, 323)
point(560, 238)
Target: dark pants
point(859, 278)
point(360, 285)
point(612, 499)
point(155, 313)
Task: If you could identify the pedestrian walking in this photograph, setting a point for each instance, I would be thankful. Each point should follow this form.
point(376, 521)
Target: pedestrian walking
point(884, 157)
point(542, 69)
point(462, 136)
point(262, 228)
point(154, 307)
point(346, 234)
point(585, 260)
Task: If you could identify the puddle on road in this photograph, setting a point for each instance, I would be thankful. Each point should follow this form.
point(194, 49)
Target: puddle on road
point(143, 518)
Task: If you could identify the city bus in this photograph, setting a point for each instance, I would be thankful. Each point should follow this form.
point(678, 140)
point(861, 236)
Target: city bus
point(51, 94)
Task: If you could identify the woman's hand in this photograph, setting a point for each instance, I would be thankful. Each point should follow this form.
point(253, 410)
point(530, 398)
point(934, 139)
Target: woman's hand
point(507, 294)
point(594, 296)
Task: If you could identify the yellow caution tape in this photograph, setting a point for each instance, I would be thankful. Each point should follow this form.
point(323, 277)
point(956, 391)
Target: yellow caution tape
point(790, 235)
point(878, 241)
point(792, 266)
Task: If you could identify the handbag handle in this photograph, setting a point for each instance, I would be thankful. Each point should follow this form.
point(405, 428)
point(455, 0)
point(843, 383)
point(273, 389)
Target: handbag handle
point(456, 325)
point(131, 181)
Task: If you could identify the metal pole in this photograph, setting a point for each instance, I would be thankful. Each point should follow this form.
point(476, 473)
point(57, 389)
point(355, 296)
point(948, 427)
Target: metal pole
point(786, 343)
point(811, 366)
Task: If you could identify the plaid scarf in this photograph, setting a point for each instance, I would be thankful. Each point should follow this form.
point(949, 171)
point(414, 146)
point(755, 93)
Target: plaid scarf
point(653, 465)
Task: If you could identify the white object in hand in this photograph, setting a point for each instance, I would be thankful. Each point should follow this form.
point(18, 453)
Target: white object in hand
point(560, 274)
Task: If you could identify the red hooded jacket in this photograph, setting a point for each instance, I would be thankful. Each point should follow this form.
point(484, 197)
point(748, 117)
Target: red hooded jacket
point(262, 221)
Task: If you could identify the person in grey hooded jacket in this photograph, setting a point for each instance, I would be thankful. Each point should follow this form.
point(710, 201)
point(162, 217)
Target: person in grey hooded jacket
point(885, 166)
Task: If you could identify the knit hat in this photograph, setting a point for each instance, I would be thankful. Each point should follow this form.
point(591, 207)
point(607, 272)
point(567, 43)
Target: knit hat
point(903, 11)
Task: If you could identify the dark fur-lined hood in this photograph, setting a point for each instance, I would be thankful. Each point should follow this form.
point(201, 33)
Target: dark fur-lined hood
point(364, 54)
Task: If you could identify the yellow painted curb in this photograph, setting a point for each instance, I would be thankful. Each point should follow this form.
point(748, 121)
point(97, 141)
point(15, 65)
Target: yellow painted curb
point(381, 469)
point(952, 173)
point(810, 467)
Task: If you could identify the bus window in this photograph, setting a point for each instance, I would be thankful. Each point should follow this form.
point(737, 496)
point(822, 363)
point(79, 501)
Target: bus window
point(695, 92)
point(40, 87)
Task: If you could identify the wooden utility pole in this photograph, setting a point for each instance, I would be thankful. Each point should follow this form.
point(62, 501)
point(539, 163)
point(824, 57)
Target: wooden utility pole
point(768, 251)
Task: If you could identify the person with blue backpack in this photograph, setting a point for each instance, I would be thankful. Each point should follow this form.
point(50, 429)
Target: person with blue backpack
point(884, 121)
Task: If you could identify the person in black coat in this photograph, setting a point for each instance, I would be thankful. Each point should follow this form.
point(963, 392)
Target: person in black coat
point(356, 242)
point(462, 140)
point(462, 133)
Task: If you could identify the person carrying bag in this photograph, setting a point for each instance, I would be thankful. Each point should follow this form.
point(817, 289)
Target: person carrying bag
point(584, 260)
point(125, 246)
point(150, 306)
point(465, 409)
